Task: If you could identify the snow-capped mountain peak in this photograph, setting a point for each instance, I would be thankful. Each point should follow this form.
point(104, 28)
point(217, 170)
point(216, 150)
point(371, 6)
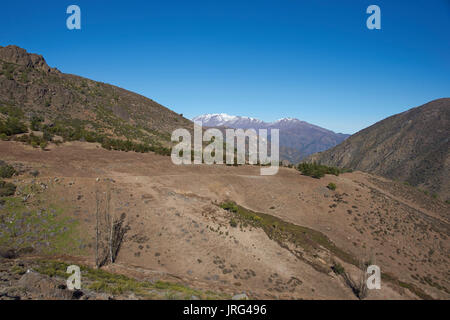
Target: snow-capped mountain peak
point(287, 120)
point(226, 120)
point(299, 137)
point(223, 119)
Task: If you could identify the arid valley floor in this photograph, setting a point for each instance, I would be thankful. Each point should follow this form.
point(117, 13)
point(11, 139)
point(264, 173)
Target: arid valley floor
point(180, 234)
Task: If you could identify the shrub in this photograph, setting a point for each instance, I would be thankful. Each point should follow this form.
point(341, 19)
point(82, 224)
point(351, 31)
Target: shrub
point(74, 130)
point(34, 173)
point(331, 186)
point(6, 171)
point(229, 206)
point(32, 140)
point(12, 111)
point(47, 136)
point(12, 126)
point(233, 223)
point(338, 268)
point(316, 170)
point(7, 189)
point(36, 123)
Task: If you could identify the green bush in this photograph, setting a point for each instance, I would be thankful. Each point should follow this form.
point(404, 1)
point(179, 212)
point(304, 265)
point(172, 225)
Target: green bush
point(338, 268)
point(47, 136)
point(74, 130)
point(6, 171)
point(331, 186)
point(36, 123)
point(12, 126)
point(12, 111)
point(316, 170)
point(33, 140)
point(34, 173)
point(7, 189)
point(128, 145)
point(229, 206)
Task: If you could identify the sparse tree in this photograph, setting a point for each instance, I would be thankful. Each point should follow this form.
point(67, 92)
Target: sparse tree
point(97, 231)
point(110, 231)
point(358, 287)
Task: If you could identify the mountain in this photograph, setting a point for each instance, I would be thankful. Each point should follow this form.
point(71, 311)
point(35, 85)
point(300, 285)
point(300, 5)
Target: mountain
point(298, 139)
point(79, 108)
point(412, 146)
point(287, 236)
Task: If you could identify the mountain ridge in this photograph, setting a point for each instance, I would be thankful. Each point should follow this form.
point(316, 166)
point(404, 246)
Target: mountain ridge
point(298, 138)
point(80, 108)
point(412, 146)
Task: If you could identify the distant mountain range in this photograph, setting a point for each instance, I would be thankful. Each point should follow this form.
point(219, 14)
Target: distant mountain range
point(298, 139)
point(412, 146)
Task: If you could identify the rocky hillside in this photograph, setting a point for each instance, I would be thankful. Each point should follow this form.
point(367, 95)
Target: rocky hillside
point(412, 146)
point(298, 139)
point(78, 108)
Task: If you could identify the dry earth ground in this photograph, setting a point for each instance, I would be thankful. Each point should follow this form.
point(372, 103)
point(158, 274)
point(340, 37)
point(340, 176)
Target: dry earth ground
point(179, 232)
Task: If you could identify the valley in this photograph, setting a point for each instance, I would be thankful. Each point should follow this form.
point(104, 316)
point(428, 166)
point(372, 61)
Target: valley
point(179, 231)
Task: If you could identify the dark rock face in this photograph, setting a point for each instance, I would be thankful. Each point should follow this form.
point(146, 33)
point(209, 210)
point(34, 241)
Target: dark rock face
point(412, 146)
point(19, 56)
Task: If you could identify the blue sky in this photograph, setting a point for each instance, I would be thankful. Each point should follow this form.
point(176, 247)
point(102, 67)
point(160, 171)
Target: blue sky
point(269, 59)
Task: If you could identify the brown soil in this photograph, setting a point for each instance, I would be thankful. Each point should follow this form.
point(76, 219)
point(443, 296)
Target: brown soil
point(179, 231)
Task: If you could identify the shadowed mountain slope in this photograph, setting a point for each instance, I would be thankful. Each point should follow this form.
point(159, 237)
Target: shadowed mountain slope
point(412, 146)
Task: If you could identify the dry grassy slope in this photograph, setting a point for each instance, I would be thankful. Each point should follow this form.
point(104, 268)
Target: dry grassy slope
point(412, 146)
point(178, 231)
point(27, 82)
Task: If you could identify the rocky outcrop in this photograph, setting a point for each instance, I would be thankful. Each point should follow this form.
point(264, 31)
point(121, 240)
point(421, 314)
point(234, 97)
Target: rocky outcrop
point(19, 56)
